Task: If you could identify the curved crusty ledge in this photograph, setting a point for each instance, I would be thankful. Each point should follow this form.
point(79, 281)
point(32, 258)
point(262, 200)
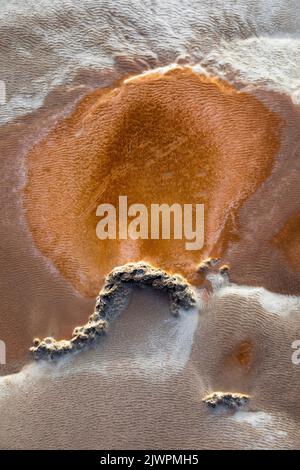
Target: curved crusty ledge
point(112, 300)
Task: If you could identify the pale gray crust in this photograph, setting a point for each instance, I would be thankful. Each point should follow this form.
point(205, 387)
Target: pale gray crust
point(111, 301)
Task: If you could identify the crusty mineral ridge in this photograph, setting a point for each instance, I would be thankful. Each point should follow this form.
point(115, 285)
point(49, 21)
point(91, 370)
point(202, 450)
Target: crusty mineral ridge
point(204, 266)
point(111, 301)
point(228, 400)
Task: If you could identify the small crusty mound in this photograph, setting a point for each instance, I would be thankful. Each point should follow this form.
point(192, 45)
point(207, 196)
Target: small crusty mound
point(112, 299)
point(226, 399)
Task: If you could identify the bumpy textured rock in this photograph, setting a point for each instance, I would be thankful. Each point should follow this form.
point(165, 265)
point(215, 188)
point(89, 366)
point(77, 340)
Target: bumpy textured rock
point(227, 400)
point(204, 266)
point(112, 300)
